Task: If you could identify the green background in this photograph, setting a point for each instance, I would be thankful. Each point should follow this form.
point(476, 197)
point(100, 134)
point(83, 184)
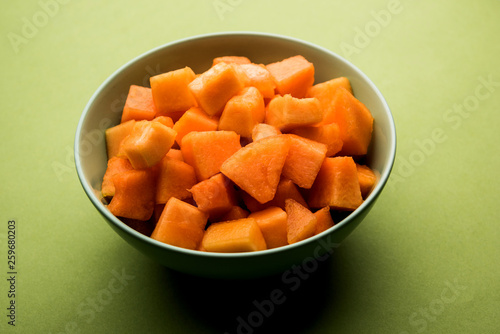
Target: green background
point(425, 260)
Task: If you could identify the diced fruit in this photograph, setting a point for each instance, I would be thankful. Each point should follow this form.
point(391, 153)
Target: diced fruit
point(236, 212)
point(134, 194)
point(301, 222)
point(256, 168)
point(328, 134)
point(194, 119)
point(171, 94)
point(181, 225)
point(287, 112)
point(175, 178)
point(286, 189)
point(259, 77)
point(243, 235)
point(215, 196)
point(175, 154)
point(367, 179)
point(115, 136)
point(139, 104)
point(304, 160)
point(206, 151)
point(165, 120)
point(355, 123)
point(213, 88)
point(148, 143)
point(115, 165)
point(263, 130)
point(324, 220)
point(325, 93)
point(243, 111)
point(336, 185)
point(294, 75)
point(273, 224)
point(231, 60)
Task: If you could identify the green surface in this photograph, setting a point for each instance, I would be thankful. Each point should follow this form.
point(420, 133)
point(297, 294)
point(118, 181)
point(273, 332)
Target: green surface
point(425, 260)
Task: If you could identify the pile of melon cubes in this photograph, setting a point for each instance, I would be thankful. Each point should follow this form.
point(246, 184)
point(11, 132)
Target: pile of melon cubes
point(242, 157)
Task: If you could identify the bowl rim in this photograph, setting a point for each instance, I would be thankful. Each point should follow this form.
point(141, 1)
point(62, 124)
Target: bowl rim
point(391, 135)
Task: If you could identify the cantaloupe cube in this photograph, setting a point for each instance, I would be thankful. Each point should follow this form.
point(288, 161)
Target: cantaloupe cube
point(148, 143)
point(325, 92)
point(115, 135)
point(304, 160)
point(336, 185)
point(134, 194)
point(243, 111)
point(273, 224)
point(115, 165)
point(206, 151)
point(171, 94)
point(294, 75)
point(231, 60)
point(286, 189)
point(256, 168)
point(367, 179)
point(165, 120)
point(175, 153)
point(355, 123)
point(263, 130)
point(324, 220)
point(301, 222)
point(287, 112)
point(175, 178)
point(236, 212)
point(259, 77)
point(194, 119)
point(215, 196)
point(139, 104)
point(180, 224)
point(243, 235)
point(214, 87)
point(328, 134)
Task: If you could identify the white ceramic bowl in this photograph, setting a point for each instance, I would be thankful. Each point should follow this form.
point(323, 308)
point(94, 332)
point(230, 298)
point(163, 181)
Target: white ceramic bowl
point(104, 110)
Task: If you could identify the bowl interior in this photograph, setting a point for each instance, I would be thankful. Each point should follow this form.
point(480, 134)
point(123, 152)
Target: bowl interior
point(105, 106)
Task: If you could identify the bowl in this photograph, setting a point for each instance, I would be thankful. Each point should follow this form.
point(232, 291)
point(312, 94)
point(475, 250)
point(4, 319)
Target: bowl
point(104, 110)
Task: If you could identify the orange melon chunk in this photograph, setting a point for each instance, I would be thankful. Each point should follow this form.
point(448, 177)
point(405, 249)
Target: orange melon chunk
point(194, 119)
point(286, 189)
point(259, 77)
point(273, 224)
point(213, 88)
point(215, 196)
point(180, 224)
point(231, 60)
point(165, 120)
point(148, 143)
point(287, 112)
point(256, 168)
point(175, 153)
point(115, 165)
point(139, 104)
point(355, 123)
point(328, 134)
point(294, 75)
point(336, 185)
point(243, 111)
point(367, 179)
point(175, 177)
point(134, 194)
point(304, 160)
point(115, 136)
point(171, 94)
point(206, 151)
point(325, 92)
point(243, 235)
point(324, 220)
point(236, 212)
point(301, 222)
point(263, 130)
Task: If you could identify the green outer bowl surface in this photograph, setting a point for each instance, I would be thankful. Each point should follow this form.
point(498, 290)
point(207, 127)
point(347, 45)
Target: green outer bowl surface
point(104, 110)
